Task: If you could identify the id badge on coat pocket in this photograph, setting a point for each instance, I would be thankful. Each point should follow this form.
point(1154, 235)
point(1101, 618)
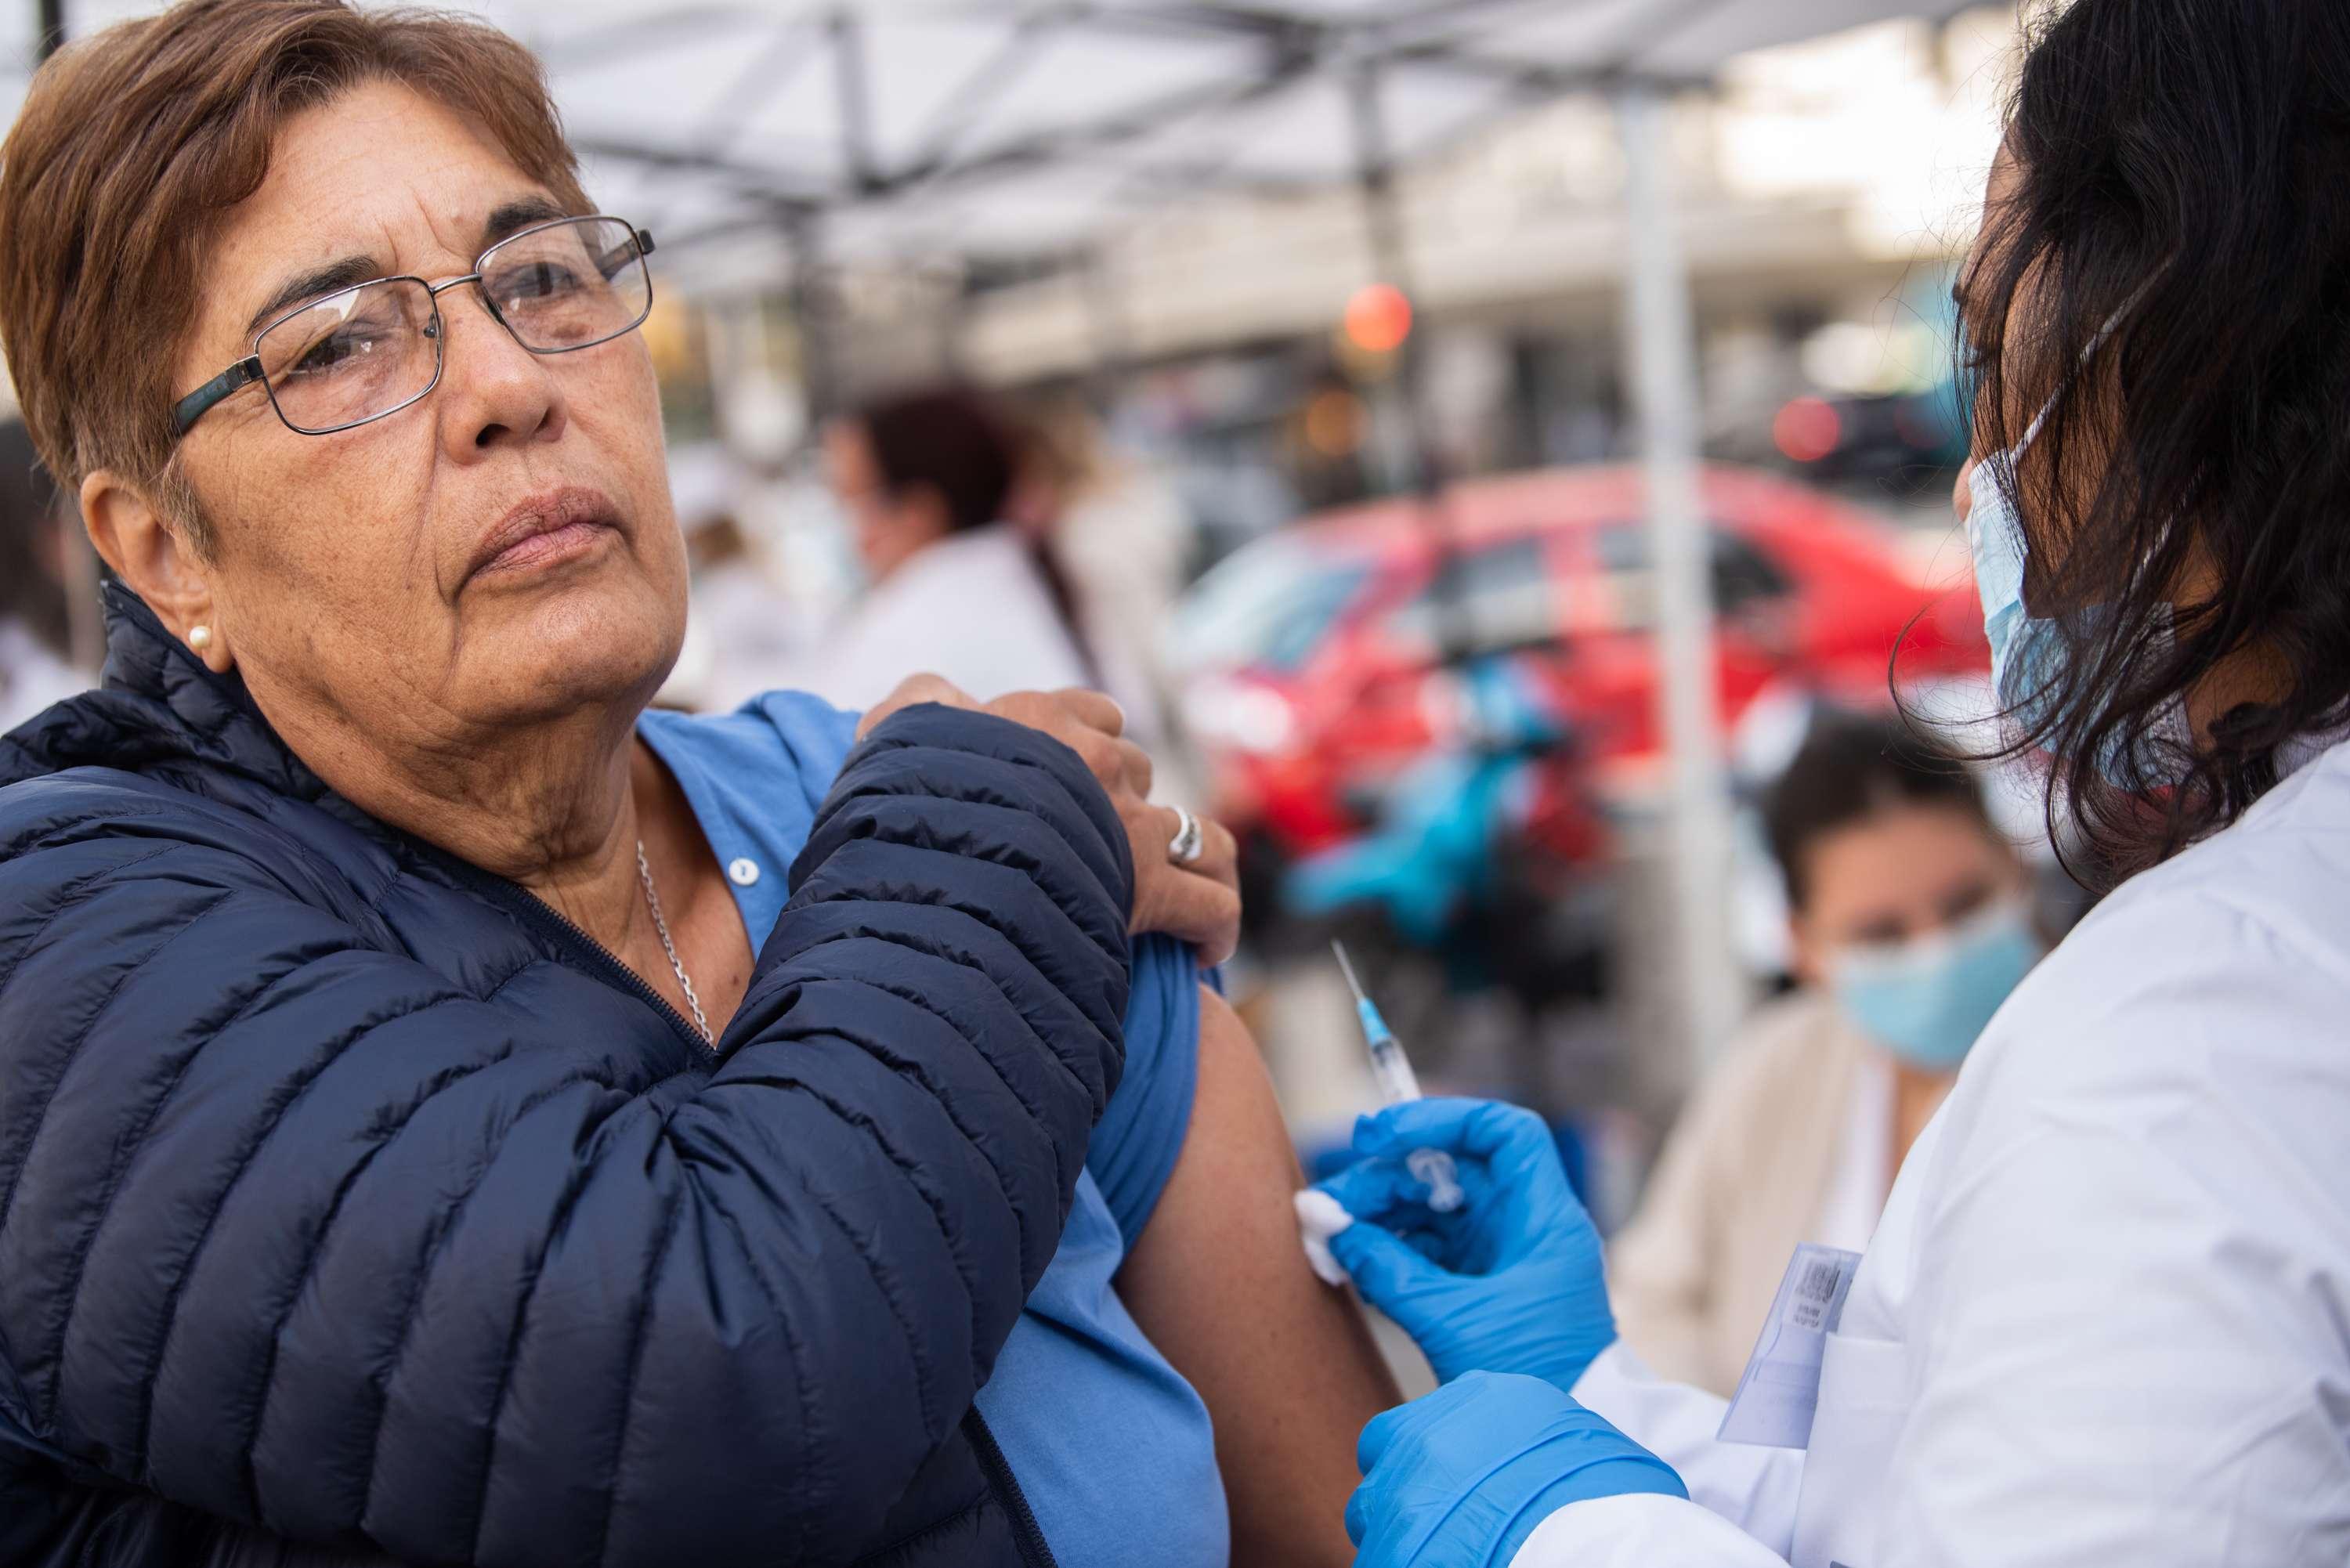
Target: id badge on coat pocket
point(1780, 1391)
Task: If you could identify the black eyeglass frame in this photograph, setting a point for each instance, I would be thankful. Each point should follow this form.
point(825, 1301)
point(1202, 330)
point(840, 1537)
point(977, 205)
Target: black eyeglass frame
point(249, 369)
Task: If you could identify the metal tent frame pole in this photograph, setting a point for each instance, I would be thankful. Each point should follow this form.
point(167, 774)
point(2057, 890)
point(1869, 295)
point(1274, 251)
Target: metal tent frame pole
point(1662, 348)
point(1406, 452)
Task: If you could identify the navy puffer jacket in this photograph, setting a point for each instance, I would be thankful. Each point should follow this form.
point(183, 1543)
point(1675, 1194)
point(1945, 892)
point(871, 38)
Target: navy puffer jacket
point(349, 1196)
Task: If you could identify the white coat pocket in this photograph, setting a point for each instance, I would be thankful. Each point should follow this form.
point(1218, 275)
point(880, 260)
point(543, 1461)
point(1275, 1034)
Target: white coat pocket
point(1864, 1397)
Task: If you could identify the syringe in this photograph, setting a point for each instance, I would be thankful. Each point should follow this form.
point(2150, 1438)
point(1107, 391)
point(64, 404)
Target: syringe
point(1431, 1166)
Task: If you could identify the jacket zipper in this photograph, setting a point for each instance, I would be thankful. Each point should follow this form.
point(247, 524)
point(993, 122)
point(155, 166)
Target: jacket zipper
point(585, 951)
point(1026, 1534)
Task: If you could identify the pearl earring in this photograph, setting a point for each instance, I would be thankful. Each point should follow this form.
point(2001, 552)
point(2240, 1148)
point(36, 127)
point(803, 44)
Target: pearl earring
point(199, 637)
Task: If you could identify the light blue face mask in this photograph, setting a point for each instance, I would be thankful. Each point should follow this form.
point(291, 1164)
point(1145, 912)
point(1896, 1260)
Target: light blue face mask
point(1926, 1000)
point(2027, 651)
point(2018, 664)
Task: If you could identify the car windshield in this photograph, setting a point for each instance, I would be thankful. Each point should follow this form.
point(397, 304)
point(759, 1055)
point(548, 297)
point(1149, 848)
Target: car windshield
point(1267, 605)
point(1741, 571)
point(1500, 596)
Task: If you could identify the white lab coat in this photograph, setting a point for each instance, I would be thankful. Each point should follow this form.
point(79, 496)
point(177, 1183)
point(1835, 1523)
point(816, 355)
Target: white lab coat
point(2106, 1318)
point(971, 607)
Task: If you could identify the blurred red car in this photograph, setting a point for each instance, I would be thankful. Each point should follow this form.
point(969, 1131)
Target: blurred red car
point(1311, 660)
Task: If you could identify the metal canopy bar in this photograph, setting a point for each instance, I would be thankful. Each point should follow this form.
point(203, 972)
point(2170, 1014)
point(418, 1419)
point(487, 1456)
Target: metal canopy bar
point(872, 183)
point(1443, 38)
point(847, 34)
point(989, 80)
point(770, 72)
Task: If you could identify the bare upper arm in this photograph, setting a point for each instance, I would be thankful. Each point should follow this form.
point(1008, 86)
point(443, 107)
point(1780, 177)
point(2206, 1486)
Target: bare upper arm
point(1217, 1279)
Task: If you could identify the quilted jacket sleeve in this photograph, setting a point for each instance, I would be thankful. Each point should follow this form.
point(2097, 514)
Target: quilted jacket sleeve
point(299, 1232)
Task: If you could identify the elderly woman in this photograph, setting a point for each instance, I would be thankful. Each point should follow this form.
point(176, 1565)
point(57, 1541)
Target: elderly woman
point(449, 1113)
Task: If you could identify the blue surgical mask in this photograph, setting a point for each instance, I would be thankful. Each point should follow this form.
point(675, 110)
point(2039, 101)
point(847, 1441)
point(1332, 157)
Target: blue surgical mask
point(1927, 999)
point(1995, 541)
point(2027, 651)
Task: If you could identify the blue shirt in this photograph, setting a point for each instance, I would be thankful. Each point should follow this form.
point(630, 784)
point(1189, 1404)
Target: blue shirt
point(1112, 1448)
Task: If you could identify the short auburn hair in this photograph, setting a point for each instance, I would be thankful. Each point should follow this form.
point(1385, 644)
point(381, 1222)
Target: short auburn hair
point(134, 141)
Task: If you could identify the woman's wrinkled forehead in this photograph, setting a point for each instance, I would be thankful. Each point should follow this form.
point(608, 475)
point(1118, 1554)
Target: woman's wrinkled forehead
point(381, 181)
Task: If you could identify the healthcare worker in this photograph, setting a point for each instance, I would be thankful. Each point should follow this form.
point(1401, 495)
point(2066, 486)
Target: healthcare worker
point(2105, 1317)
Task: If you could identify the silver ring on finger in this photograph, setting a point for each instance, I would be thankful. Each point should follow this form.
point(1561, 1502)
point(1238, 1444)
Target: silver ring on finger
point(1190, 842)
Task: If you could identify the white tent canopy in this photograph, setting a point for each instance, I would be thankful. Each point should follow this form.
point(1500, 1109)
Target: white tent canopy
point(1009, 128)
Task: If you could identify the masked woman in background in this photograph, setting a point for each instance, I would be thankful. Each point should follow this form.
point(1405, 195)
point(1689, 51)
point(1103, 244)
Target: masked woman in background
point(1910, 918)
point(449, 1113)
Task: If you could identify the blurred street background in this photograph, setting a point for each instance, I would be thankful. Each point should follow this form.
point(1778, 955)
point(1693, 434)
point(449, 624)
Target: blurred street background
point(1322, 324)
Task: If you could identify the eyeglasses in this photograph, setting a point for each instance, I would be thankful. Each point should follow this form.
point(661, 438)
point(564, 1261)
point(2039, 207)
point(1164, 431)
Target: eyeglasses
point(372, 350)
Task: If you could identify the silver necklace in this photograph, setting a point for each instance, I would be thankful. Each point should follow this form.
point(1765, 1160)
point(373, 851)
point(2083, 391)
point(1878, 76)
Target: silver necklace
point(652, 901)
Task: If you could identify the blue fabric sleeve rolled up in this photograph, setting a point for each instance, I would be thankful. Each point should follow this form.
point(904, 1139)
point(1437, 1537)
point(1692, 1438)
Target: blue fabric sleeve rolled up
point(1141, 1135)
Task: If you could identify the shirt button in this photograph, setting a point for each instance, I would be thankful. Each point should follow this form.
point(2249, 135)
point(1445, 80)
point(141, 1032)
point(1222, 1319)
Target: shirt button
point(743, 872)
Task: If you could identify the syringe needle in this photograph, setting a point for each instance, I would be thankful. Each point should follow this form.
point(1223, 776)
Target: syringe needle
point(1348, 970)
point(1398, 1083)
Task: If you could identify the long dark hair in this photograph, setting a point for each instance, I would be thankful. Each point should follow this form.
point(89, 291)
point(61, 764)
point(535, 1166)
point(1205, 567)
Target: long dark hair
point(2181, 176)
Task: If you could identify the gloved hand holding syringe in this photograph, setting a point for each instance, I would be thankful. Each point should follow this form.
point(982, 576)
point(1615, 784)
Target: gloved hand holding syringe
point(1397, 1083)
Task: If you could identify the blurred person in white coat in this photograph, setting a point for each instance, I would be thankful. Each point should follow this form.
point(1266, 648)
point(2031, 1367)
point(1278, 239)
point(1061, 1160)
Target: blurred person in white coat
point(2105, 1317)
point(955, 590)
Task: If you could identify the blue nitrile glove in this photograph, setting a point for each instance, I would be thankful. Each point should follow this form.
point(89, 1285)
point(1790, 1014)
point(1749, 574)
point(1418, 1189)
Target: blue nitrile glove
point(1461, 1478)
point(1511, 1281)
